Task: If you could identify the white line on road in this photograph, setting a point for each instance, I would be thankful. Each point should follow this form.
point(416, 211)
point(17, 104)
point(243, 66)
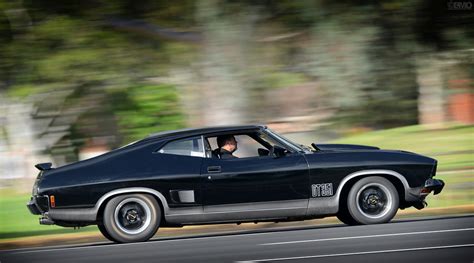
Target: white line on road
point(151, 242)
point(369, 236)
point(356, 253)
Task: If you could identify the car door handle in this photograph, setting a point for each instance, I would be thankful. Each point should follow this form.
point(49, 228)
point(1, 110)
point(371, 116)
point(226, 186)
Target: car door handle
point(213, 169)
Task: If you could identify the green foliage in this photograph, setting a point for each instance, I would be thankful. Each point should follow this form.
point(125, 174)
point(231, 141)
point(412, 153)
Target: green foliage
point(360, 53)
point(80, 57)
point(23, 91)
point(22, 223)
point(143, 110)
point(275, 80)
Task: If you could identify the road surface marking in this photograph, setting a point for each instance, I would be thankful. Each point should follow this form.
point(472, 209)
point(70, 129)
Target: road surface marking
point(369, 236)
point(151, 242)
point(356, 253)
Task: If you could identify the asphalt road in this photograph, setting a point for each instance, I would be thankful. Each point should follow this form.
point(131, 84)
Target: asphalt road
point(434, 240)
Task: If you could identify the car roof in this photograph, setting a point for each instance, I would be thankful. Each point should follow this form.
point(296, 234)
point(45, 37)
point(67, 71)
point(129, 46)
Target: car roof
point(204, 130)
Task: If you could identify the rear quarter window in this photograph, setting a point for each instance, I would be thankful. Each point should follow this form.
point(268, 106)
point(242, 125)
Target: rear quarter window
point(186, 147)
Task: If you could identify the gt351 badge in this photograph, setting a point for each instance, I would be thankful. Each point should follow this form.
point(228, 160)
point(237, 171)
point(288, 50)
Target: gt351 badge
point(319, 190)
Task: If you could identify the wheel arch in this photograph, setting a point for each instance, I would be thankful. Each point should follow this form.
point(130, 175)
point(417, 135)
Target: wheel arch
point(395, 178)
point(100, 205)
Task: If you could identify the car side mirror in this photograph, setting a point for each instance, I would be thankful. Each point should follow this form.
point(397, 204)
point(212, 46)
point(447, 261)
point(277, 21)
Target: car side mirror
point(263, 152)
point(279, 151)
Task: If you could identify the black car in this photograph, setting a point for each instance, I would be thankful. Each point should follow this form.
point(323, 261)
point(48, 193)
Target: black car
point(178, 178)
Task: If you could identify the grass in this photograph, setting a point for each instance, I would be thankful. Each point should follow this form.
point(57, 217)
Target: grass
point(452, 146)
point(17, 221)
point(459, 190)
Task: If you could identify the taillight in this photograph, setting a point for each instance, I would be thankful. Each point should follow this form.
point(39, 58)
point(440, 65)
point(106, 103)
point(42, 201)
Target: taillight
point(52, 201)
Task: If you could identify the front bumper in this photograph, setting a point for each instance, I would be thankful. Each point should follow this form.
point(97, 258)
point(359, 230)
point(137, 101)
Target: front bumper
point(432, 185)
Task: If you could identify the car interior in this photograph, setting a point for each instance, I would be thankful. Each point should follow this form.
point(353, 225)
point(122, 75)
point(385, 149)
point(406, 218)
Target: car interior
point(249, 145)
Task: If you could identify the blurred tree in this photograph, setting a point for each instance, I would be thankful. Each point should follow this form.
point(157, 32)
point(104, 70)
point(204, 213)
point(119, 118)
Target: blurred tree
point(80, 64)
point(395, 93)
point(143, 110)
point(221, 57)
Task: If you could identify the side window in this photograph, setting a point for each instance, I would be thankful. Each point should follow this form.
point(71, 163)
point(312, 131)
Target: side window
point(187, 147)
point(270, 140)
point(246, 146)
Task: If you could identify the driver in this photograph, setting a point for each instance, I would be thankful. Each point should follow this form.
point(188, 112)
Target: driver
point(227, 145)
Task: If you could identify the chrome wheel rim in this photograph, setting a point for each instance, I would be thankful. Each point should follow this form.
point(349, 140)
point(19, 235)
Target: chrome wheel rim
point(132, 216)
point(374, 200)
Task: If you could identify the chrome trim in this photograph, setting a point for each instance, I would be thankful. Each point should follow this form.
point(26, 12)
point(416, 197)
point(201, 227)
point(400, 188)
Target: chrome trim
point(330, 205)
point(282, 140)
point(147, 216)
point(186, 196)
point(197, 214)
point(387, 207)
point(90, 214)
point(203, 147)
point(238, 212)
point(133, 190)
point(245, 211)
point(257, 206)
point(73, 214)
point(323, 206)
point(373, 172)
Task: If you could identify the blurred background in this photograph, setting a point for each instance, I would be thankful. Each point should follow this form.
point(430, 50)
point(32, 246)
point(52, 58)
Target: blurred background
point(79, 78)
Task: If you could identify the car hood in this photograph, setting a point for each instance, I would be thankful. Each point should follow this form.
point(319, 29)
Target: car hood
point(343, 147)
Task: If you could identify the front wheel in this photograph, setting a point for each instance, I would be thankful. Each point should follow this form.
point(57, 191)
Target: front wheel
point(131, 218)
point(104, 232)
point(344, 216)
point(372, 200)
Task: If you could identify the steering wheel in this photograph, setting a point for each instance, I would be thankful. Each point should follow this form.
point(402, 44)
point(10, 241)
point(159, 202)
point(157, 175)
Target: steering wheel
point(271, 151)
point(281, 151)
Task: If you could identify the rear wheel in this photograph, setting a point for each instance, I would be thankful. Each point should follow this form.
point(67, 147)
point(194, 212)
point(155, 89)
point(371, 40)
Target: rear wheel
point(131, 218)
point(372, 200)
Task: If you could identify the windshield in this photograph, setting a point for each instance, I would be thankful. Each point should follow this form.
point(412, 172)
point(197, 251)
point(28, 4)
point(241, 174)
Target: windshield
point(289, 143)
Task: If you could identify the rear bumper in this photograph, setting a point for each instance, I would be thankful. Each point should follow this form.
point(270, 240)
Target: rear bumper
point(38, 205)
point(31, 205)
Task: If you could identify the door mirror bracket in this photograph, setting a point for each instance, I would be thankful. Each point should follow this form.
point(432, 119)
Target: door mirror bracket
point(279, 151)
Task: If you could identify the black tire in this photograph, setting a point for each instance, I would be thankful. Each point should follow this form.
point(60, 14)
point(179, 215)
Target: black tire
point(131, 218)
point(344, 216)
point(372, 200)
point(104, 232)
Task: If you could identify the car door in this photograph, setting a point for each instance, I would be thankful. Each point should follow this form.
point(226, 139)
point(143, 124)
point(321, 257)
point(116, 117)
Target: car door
point(255, 187)
point(176, 165)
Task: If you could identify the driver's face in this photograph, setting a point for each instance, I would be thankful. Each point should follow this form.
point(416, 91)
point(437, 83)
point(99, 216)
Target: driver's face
point(233, 145)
